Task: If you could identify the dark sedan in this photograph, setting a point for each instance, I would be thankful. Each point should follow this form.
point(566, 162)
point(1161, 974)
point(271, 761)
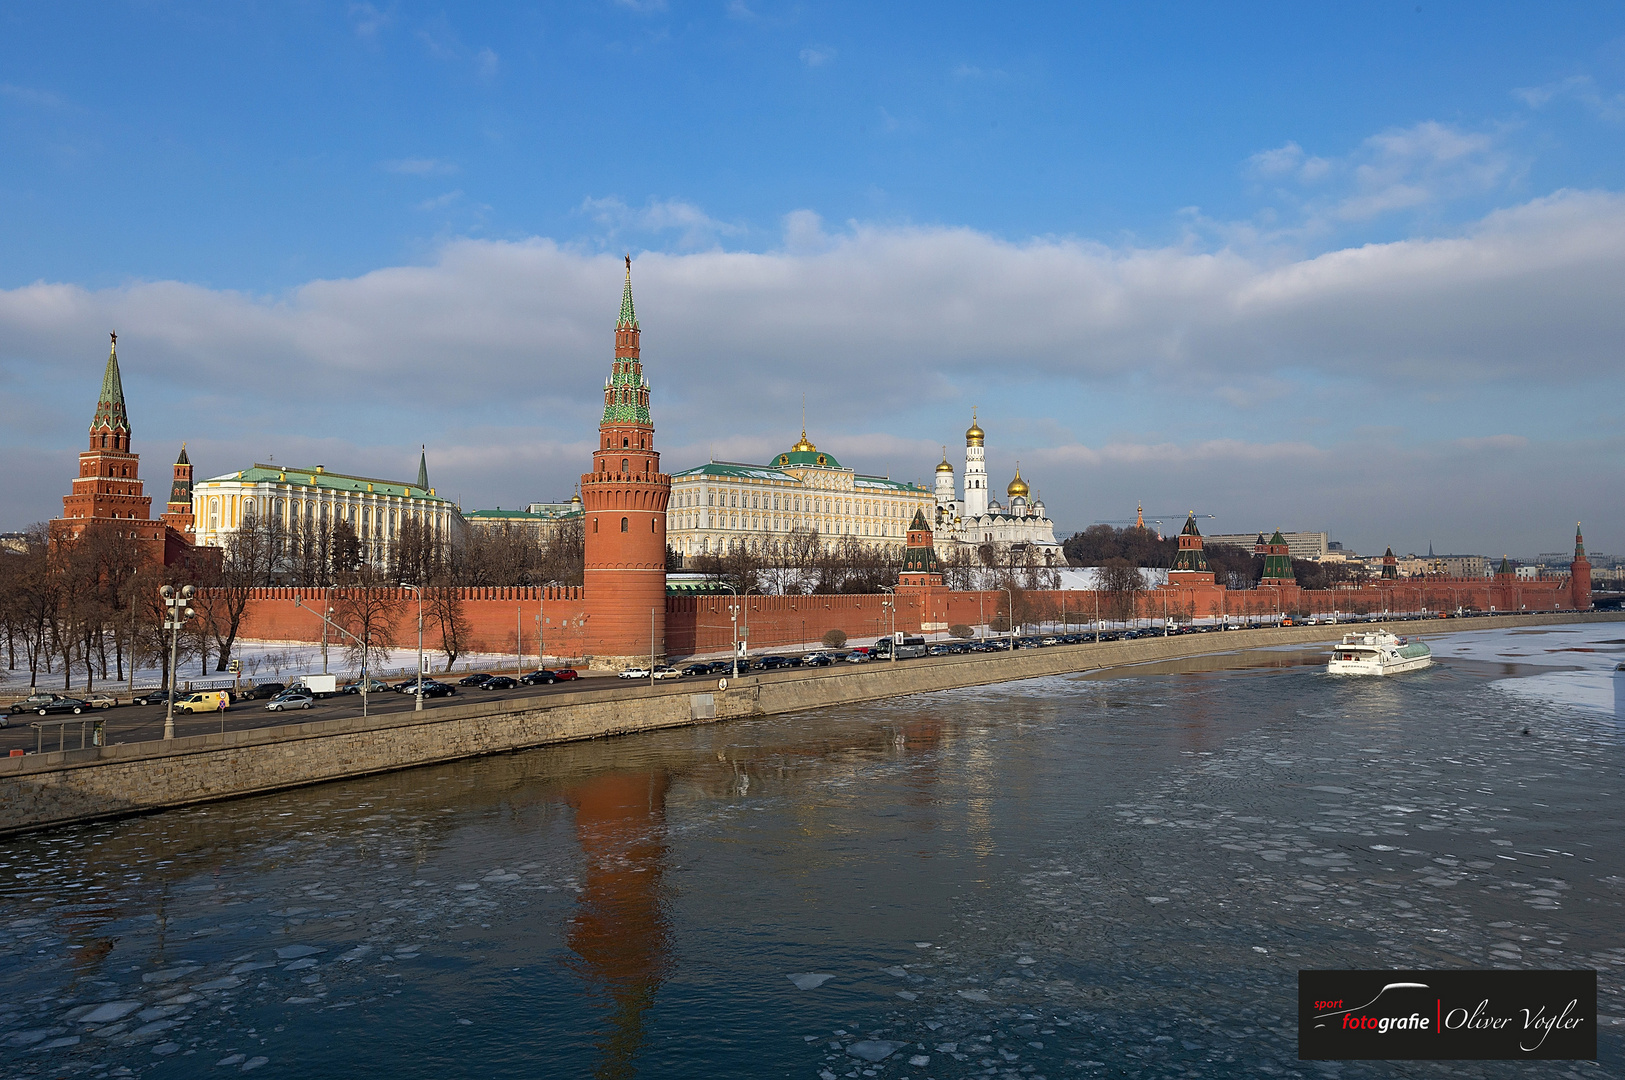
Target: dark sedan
point(474, 680)
point(499, 682)
point(696, 669)
point(60, 705)
point(156, 697)
point(437, 689)
point(261, 692)
point(540, 677)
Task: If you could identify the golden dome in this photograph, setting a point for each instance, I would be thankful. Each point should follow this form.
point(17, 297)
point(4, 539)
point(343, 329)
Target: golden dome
point(1018, 486)
point(944, 467)
point(803, 447)
point(975, 434)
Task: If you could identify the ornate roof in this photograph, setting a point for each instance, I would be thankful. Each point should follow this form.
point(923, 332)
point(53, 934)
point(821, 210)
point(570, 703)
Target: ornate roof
point(919, 523)
point(974, 434)
point(423, 468)
point(943, 466)
point(1190, 528)
point(1017, 488)
point(110, 412)
point(183, 459)
point(629, 317)
point(319, 478)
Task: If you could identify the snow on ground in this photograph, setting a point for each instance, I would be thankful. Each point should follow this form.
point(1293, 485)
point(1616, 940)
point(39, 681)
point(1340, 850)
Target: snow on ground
point(1590, 652)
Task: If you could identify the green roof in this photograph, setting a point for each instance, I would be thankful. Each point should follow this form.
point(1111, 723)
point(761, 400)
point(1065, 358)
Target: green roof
point(738, 470)
point(518, 515)
point(110, 412)
point(816, 459)
point(303, 476)
point(628, 316)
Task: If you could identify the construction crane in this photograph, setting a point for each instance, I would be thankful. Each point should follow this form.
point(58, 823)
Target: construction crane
point(1140, 520)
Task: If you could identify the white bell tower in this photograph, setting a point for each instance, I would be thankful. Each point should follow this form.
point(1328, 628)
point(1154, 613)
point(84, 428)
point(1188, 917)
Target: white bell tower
point(975, 471)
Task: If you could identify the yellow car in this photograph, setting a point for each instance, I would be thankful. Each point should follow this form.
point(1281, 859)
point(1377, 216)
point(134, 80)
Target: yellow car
point(204, 701)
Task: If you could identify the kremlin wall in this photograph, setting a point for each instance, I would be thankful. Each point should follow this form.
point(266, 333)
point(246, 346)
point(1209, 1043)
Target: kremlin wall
point(622, 613)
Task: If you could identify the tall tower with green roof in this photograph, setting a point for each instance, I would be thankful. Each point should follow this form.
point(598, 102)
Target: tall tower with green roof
point(624, 499)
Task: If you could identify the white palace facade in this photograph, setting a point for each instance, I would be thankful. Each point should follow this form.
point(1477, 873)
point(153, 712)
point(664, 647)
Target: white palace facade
point(977, 520)
point(721, 504)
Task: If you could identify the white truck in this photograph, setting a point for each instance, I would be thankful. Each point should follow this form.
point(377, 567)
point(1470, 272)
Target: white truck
point(320, 686)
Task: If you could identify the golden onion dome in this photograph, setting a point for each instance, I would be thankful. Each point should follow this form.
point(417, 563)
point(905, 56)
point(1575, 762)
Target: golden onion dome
point(944, 467)
point(1018, 486)
point(974, 434)
point(803, 447)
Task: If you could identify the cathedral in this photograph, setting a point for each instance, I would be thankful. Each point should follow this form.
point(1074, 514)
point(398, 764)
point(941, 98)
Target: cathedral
point(978, 519)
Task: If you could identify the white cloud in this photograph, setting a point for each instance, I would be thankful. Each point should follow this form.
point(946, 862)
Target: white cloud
point(693, 226)
point(28, 95)
point(440, 202)
point(817, 55)
point(882, 329)
point(420, 167)
point(1402, 169)
point(1580, 88)
point(367, 20)
point(486, 63)
point(738, 9)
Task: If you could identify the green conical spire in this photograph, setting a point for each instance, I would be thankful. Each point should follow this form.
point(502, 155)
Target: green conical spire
point(423, 468)
point(110, 411)
point(629, 317)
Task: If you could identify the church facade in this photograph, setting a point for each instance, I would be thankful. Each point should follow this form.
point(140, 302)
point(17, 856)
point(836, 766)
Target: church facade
point(976, 519)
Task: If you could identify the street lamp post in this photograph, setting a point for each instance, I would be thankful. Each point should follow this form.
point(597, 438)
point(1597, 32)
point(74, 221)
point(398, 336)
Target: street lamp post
point(733, 613)
point(178, 610)
point(889, 606)
point(419, 695)
point(299, 602)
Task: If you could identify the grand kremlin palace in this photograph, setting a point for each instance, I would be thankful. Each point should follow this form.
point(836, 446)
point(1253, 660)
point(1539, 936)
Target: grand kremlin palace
point(719, 504)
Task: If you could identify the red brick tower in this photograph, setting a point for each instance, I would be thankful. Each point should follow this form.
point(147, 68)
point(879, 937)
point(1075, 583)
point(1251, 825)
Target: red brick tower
point(625, 499)
point(108, 487)
point(178, 512)
point(1580, 573)
point(1190, 565)
point(921, 569)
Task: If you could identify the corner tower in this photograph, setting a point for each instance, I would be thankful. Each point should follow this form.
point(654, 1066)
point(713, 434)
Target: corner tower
point(1190, 564)
point(178, 511)
point(624, 498)
point(108, 484)
point(1580, 573)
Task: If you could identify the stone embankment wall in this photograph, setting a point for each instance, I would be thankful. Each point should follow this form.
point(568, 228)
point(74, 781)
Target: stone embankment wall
point(80, 785)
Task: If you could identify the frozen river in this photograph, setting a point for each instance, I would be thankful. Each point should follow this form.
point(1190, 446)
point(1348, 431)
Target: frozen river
point(1112, 875)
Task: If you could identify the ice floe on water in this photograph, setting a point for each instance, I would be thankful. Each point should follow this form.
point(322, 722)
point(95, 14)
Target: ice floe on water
point(1583, 659)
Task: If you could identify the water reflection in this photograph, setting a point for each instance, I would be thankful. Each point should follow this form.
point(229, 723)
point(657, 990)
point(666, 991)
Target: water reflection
point(621, 933)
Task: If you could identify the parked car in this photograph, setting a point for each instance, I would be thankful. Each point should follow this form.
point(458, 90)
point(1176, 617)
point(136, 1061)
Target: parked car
point(499, 682)
point(262, 691)
point(773, 663)
point(858, 656)
point(663, 671)
point(290, 699)
point(155, 697)
point(100, 701)
point(32, 702)
point(816, 659)
point(374, 686)
point(696, 669)
point(565, 673)
point(539, 677)
point(437, 689)
point(633, 673)
point(474, 680)
point(60, 705)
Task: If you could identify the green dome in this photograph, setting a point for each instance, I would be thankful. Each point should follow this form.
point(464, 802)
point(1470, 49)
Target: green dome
point(805, 453)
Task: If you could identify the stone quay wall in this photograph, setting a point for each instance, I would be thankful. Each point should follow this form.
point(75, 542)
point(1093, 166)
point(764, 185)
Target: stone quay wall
point(57, 788)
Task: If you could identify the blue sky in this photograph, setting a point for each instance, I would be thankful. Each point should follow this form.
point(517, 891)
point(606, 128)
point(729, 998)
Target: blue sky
point(1355, 269)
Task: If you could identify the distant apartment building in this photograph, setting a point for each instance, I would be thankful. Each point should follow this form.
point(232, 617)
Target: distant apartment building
point(1463, 566)
point(1299, 545)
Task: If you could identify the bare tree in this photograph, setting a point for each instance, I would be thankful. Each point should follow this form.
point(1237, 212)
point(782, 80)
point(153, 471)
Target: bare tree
point(370, 612)
point(445, 609)
point(1122, 583)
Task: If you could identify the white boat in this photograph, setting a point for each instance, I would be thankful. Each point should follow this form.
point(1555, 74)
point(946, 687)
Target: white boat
point(1377, 653)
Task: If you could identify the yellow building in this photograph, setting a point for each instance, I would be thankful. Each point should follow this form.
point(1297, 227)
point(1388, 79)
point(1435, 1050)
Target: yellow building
point(723, 503)
point(293, 498)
